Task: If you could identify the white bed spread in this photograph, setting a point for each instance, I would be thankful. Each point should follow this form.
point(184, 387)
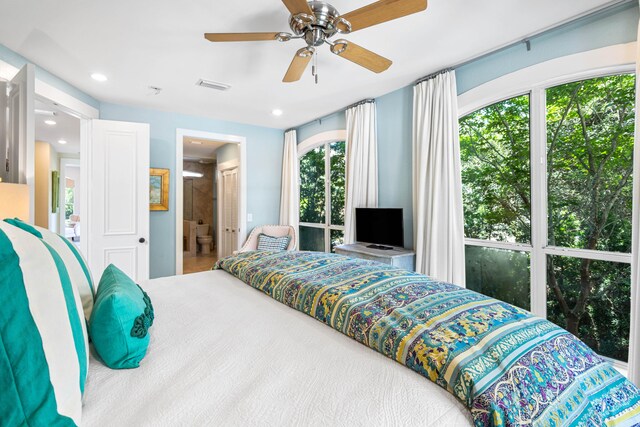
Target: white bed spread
point(223, 353)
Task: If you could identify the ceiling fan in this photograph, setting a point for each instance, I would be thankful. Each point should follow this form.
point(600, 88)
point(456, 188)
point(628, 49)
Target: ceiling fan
point(317, 22)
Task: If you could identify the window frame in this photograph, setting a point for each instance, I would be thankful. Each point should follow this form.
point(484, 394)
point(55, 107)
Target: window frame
point(324, 139)
point(534, 81)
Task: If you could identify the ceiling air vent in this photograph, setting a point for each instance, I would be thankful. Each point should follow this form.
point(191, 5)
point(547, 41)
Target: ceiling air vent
point(213, 85)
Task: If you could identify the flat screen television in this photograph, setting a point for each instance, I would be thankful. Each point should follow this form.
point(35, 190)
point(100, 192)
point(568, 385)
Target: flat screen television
point(380, 226)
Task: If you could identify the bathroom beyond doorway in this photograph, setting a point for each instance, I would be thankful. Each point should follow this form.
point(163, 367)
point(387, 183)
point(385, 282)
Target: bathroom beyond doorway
point(204, 212)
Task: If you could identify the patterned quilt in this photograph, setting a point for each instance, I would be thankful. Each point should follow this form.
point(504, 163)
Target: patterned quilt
point(506, 365)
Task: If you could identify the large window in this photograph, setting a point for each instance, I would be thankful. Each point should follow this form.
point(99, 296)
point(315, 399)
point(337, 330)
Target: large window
point(495, 153)
point(322, 185)
point(558, 227)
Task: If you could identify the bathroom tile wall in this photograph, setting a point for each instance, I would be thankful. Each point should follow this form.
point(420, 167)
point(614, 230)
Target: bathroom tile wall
point(202, 192)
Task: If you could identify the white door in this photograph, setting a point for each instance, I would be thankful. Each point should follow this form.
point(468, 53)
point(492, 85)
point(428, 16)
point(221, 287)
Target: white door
point(18, 147)
point(229, 212)
point(118, 198)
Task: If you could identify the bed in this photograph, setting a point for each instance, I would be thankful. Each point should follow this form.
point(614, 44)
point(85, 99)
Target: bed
point(222, 353)
point(226, 353)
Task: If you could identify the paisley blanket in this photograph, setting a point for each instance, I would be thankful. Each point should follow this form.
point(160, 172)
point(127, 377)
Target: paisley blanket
point(506, 365)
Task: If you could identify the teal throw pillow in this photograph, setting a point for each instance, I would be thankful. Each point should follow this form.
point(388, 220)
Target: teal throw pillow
point(120, 320)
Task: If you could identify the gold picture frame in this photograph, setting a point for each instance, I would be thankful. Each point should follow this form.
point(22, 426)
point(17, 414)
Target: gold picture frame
point(159, 189)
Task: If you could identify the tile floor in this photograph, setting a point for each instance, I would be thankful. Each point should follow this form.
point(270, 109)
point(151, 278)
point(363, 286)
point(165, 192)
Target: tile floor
point(199, 263)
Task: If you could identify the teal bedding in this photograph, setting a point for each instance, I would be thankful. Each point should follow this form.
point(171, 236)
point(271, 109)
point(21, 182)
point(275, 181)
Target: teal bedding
point(507, 366)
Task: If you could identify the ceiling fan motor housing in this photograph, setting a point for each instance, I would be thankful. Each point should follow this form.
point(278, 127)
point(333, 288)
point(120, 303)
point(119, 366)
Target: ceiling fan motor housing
point(316, 31)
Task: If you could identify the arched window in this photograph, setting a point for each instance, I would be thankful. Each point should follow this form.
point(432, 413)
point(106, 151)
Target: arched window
point(547, 189)
point(322, 191)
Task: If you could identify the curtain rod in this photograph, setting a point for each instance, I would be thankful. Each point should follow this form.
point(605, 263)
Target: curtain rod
point(342, 110)
point(364, 101)
point(431, 76)
point(608, 7)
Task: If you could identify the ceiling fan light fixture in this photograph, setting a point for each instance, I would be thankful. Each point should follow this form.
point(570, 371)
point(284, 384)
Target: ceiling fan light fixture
point(317, 21)
point(213, 85)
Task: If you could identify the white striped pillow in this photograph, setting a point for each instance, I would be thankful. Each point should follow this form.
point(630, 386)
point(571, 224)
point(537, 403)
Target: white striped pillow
point(76, 265)
point(43, 339)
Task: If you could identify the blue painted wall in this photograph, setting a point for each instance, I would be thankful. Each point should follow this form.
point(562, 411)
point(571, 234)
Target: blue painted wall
point(612, 27)
point(334, 121)
point(19, 61)
point(395, 110)
point(264, 160)
point(264, 165)
point(395, 115)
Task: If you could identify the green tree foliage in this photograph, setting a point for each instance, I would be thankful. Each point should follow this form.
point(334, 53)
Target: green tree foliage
point(494, 149)
point(69, 195)
point(337, 182)
point(312, 195)
point(590, 128)
point(312, 176)
point(496, 177)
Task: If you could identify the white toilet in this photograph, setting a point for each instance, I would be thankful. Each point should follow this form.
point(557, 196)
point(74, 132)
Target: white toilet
point(203, 238)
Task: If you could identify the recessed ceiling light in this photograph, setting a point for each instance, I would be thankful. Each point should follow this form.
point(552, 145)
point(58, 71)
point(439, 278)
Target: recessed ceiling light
point(50, 122)
point(277, 112)
point(196, 142)
point(99, 77)
point(62, 141)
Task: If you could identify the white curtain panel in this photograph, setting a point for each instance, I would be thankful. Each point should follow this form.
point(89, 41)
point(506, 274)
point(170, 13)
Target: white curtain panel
point(634, 342)
point(361, 164)
point(290, 191)
point(437, 183)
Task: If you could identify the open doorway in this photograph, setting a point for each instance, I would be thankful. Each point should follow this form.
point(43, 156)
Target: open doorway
point(210, 198)
point(57, 171)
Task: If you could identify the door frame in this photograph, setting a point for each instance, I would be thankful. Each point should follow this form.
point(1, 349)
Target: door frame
point(75, 107)
point(220, 168)
point(179, 187)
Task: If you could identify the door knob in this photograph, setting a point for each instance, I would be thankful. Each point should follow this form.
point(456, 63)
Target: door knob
point(141, 240)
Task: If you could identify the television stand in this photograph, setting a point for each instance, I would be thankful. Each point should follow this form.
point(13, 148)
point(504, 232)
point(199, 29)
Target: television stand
point(381, 247)
point(398, 257)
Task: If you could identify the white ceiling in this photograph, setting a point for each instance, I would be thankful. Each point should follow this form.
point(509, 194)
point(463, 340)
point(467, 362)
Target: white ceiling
point(196, 148)
point(160, 43)
point(66, 128)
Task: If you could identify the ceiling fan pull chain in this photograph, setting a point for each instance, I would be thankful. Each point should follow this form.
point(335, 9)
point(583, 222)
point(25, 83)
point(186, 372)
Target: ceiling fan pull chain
point(315, 66)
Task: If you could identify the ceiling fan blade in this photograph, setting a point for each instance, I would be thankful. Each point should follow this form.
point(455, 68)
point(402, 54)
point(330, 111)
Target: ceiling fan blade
point(361, 56)
point(239, 37)
point(383, 11)
point(298, 65)
point(298, 6)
